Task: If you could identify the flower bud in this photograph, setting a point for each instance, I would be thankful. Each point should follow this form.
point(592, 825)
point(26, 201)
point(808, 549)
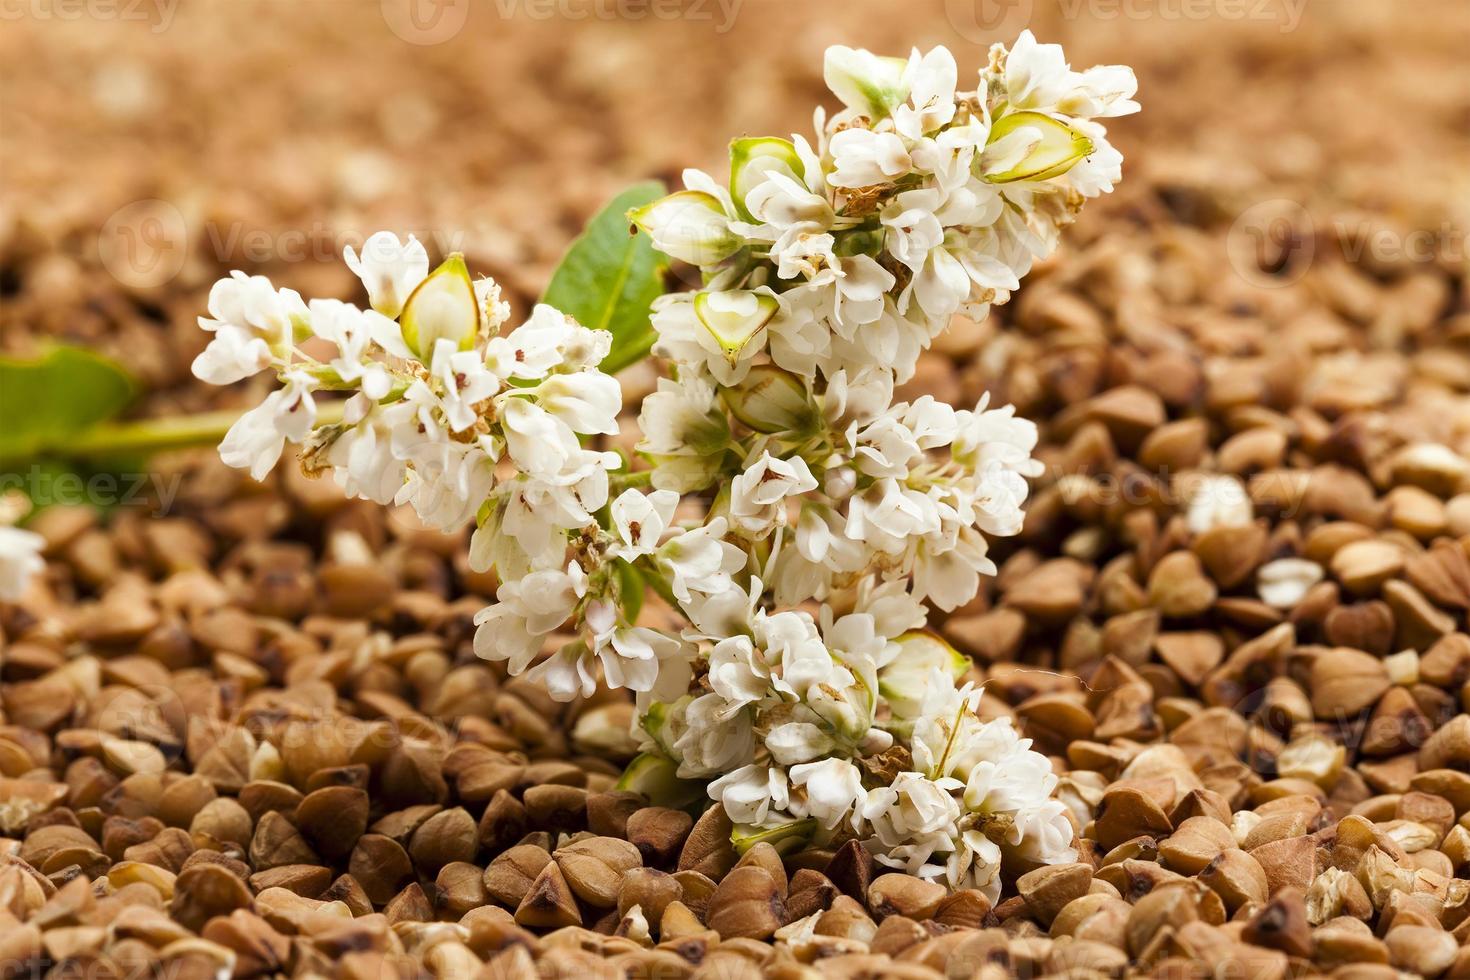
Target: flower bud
point(734, 317)
point(752, 158)
point(771, 400)
point(1032, 146)
point(866, 83)
point(907, 677)
point(655, 777)
point(690, 226)
point(442, 307)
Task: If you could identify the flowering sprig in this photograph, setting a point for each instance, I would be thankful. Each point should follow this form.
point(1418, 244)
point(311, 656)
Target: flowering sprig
point(795, 517)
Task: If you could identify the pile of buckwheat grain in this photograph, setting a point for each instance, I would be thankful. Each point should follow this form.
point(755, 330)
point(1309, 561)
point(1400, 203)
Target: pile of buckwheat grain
point(243, 729)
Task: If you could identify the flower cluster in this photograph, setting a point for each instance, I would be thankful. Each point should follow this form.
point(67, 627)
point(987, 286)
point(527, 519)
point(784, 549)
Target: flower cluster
point(797, 519)
point(846, 257)
point(438, 397)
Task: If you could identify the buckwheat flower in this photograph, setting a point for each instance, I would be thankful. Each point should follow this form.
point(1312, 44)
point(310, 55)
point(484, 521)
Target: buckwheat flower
point(712, 739)
point(862, 158)
point(390, 269)
point(700, 560)
point(833, 787)
point(587, 401)
point(540, 443)
point(234, 354)
point(751, 793)
point(246, 314)
point(463, 383)
point(640, 520)
point(931, 97)
point(257, 438)
point(20, 561)
point(363, 462)
point(758, 495)
point(996, 435)
point(524, 612)
point(867, 84)
point(738, 672)
point(353, 333)
point(797, 742)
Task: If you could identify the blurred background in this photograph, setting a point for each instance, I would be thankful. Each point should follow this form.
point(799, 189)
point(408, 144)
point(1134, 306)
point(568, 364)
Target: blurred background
point(147, 146)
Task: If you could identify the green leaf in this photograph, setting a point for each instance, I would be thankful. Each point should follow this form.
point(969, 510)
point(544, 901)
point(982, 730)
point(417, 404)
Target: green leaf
point(609, 278)
point(46, 402)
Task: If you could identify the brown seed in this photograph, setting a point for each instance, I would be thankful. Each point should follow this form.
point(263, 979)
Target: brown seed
point(510, 875)
point(1449, 747)
point(447, 836)
point(658, 833)
point(1420, 950)
point(276, 842)
point(258, 947)
point(594, 868)
point(708, 849)
point(204, 891)
point(1237, 878)
point(333, 818)
point(746, 905)
point(649, 889)
point(902, 894)
point(1345, 681)
point(556, 807)
point(1197, 842)
point(1282, 924)
point(1049, 889)
point(380, 865)
point(1178, 588)
point(548, 902)
point(1362, 566)
point(1125, 813)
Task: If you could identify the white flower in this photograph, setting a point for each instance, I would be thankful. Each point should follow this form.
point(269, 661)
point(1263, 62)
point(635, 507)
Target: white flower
point(700, 560)
point(463, 382)
point(390, 269)
point(352, 331)
point(862, 158)
point(525, 611)
point(20, 561)
point(833, 787)
point(234, 354)
point(250, 319)
point(737, 672)
point(641, 519)
point(540, 443)
point(749, 794)
point(757, 495)
point(714, 739)
point(362, 457)
point(257, 438)
point(587, 401)
point(796, 742)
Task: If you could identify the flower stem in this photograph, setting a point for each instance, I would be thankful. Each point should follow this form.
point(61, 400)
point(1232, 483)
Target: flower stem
point(147, 436)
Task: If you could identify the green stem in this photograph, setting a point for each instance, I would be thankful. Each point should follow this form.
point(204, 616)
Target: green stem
point(148, 436)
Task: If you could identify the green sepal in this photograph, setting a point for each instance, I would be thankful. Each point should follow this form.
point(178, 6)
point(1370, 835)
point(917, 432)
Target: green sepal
point(1060, 149)
point(654, 776)
point(785, 838)
point(751, 157)
point(443, 306)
